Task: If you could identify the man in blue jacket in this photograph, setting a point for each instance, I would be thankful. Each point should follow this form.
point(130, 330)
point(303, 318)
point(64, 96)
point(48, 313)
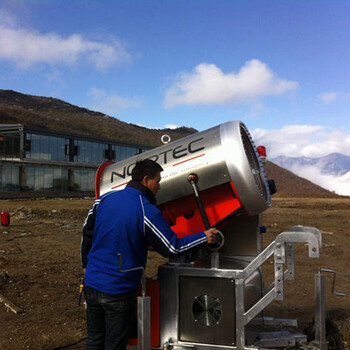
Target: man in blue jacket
point(125, 222)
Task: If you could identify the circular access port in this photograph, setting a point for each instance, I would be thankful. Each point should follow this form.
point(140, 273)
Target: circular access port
point(206, 310)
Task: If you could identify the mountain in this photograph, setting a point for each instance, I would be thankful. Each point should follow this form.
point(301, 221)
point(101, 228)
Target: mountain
point(54, 114)
point(333, 164)
point(289, 183)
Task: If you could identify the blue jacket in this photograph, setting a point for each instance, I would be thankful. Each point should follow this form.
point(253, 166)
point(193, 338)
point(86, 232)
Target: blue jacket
point(126, 222)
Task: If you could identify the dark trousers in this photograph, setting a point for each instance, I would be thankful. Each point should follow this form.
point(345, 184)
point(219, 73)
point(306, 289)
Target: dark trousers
point(110, 319)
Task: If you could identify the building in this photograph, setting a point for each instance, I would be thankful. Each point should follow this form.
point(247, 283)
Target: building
point(43, 162)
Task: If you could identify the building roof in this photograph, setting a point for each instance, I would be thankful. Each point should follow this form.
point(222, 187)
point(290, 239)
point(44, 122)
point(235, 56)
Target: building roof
point(42, 131)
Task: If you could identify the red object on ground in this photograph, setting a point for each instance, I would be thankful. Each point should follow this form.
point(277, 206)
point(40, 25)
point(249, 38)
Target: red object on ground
point(5, 218)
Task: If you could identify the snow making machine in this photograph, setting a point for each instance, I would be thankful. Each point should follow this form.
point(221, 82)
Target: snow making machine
point(214, 298)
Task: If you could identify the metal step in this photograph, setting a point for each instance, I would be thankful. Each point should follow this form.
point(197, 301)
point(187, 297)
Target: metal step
point(283, 339)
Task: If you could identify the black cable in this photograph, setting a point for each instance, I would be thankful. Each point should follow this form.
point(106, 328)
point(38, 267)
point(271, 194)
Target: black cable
point(68, 345)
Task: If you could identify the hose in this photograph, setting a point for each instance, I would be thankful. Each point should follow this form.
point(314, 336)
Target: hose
point(68, 345)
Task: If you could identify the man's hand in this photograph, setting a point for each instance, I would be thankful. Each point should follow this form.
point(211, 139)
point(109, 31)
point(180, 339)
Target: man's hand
point(211, 235)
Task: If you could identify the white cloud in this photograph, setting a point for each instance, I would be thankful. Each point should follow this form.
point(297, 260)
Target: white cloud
point(171, 126)
point(208, 84)
point(328, 97)
point(27, 47)
point(308, 141)
point(167, 126)
point(302, 140)
point(338, 184)
point(111, 104)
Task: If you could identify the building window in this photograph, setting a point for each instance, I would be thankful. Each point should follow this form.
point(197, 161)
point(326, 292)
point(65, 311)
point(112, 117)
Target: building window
point(123, 152)
point(47, 179)
point(90, 152)
point(43, 147)
point(84, 179)
point(9, 178)
point(10, 146)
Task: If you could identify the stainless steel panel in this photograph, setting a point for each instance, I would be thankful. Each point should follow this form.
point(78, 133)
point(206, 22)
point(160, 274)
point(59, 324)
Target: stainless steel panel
point(169, 307)
point(179, 288)
point(244, 166)
point(242, 236)
point(143, 323)
point(194, 153)
point(213, 323)
point(218, 155)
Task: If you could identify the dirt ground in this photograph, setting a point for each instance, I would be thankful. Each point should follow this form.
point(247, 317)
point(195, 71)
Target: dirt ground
point(40, 267)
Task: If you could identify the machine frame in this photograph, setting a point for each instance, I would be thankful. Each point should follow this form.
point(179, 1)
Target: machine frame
point(226, 295)
point(281, 249)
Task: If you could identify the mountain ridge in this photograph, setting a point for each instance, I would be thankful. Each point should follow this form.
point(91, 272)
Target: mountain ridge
point(54, 114)
point(292, 184)
point(331, 164)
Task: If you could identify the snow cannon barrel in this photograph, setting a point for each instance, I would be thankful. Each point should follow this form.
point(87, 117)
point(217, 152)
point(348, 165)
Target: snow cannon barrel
point(231, 177)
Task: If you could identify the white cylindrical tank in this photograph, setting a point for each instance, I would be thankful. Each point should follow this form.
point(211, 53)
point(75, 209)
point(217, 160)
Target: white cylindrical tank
point(222, 154)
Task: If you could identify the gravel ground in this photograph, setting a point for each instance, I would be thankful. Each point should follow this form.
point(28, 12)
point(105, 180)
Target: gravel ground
point(40, 268)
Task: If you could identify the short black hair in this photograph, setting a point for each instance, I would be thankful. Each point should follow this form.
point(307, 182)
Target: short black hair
point(145, 167)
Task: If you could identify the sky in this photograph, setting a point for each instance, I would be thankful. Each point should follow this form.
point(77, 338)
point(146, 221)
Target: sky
point(280, 67)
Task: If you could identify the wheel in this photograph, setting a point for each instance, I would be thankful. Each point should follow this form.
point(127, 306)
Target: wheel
point(333, 335)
